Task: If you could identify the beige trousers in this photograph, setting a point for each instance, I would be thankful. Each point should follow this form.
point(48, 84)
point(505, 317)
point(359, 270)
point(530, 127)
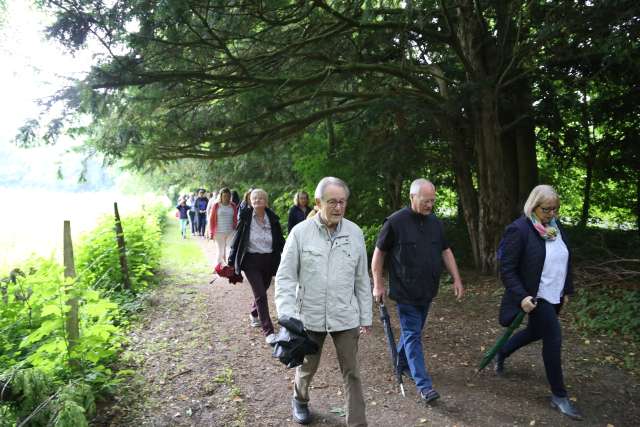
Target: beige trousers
point(223, 240)
point(346, 343)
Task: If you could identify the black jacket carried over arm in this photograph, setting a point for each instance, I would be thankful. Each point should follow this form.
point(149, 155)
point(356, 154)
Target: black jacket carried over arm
point(241, 239)
point(521, 266)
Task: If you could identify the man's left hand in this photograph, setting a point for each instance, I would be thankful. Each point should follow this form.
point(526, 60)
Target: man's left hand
point(365, 330)
point(458, 289)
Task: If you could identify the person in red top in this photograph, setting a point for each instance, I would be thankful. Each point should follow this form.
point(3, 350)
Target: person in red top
point(223, 222)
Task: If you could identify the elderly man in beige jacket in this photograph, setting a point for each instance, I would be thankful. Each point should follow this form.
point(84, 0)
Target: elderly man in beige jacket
point(323, 281)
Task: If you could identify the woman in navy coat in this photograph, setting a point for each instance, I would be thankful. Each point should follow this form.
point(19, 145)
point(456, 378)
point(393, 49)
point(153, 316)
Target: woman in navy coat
point(535, 270)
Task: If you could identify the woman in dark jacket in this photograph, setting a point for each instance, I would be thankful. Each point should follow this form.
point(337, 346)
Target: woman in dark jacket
point(535, 269)
point(256, 250)
point(300, 209)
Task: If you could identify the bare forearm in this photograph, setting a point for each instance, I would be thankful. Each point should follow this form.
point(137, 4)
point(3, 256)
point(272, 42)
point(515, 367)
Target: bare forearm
point(450, 264)
point(377, 267)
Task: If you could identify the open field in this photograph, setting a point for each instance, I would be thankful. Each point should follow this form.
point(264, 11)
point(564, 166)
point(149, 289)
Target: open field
point(31, 221)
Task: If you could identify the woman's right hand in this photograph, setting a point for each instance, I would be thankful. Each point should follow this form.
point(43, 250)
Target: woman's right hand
point(527, 304)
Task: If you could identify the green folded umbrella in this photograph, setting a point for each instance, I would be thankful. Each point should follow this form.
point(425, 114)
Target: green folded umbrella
point(490, 354)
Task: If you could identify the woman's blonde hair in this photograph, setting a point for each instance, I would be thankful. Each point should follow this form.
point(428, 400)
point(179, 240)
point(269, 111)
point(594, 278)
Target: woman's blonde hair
point(539, 194)
point(296, 197)
point(260, 191)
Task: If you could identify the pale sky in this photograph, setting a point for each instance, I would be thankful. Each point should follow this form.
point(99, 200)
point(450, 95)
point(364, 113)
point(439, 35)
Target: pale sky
point(32, 67)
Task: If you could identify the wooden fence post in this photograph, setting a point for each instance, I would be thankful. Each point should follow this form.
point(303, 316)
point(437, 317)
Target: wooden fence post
point(72, 321)
point(121, 249)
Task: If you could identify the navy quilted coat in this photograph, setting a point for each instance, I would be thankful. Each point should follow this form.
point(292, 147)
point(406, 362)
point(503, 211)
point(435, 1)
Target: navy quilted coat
point(521, 267)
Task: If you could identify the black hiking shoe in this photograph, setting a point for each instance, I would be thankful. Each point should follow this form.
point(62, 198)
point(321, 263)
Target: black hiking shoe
point(300, 412)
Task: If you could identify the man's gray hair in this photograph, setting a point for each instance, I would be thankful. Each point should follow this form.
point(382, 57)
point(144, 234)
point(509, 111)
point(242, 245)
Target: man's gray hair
point(330, 180)
point(538, 195)
point(416, 184)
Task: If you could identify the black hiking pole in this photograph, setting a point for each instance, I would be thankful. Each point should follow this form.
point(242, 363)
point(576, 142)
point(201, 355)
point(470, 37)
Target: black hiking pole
point(391, 343)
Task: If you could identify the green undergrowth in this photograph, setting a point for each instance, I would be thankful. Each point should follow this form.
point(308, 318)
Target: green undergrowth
point(610, 310)
point(47, 379)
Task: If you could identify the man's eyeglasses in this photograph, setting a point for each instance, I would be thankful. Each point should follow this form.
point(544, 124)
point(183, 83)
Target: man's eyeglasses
point(332, 203)
point(549, 210)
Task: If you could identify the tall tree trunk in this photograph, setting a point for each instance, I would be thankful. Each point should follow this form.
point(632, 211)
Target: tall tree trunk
point(395, 191)
point(586, 191)
point(587, 124)
point(331, 134)
point(495, 202)
point(638, 202)
point(466, 192)
point(453, 128)
point(486, 60)
point(525, 139)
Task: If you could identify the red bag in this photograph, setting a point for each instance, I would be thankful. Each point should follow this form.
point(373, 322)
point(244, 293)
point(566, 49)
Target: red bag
point(177, 214)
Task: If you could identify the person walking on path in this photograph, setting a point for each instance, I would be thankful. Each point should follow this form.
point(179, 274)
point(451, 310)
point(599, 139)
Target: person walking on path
point(213, 198)
point(246, 202)
point(300, 209)
point(536, 272)
point(191, 202)
point(323, 281)
point(183, 216)
point(235, 198)
point(201, 212)
point(256, 250)
point(416, 241)
point(222, 223)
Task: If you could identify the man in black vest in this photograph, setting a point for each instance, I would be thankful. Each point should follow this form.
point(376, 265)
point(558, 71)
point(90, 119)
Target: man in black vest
point(415, 240)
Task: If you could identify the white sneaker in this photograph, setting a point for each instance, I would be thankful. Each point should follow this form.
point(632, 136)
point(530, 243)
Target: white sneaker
point(270, 339)
point(255, 322)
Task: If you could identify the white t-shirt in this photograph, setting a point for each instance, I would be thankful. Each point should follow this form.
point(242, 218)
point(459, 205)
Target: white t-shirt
point(554, 272)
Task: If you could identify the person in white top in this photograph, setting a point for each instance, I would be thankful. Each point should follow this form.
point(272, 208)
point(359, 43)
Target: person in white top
point(536, 271)
point(213, 198)
point(256, 250)
point(222, 223)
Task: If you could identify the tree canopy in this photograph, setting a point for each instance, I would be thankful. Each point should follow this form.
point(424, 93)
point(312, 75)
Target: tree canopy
point(407, 84)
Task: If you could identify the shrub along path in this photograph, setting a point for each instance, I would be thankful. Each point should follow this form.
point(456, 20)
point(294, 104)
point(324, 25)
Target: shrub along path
point(198, 362)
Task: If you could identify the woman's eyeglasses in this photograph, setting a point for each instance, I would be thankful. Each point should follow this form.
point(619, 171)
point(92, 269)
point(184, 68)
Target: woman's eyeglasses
point(549, 210)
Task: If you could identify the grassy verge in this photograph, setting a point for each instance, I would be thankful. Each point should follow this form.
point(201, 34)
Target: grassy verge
point(182, 255)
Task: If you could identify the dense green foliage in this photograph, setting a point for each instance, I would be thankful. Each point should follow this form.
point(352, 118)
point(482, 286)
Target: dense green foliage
point(55, 380)
point(98, 260)
point(610, 310)
point(485, 98)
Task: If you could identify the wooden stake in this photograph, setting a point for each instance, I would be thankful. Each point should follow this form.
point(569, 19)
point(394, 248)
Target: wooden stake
point(122, 250)
point(72, 321)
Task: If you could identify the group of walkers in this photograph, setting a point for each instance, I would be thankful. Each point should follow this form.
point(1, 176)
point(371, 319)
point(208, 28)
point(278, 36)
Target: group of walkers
point(195, 211)
point(322, 279)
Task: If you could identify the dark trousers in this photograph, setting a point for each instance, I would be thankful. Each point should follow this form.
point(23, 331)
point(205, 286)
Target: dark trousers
point(259, 270)
point(201, 223)
point(543, 324)
point(192, 220)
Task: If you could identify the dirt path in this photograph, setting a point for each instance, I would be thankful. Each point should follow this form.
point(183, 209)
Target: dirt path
point(199, 363)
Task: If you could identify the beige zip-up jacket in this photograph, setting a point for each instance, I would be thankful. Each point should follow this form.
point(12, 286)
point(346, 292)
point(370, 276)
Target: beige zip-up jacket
point(324, 282)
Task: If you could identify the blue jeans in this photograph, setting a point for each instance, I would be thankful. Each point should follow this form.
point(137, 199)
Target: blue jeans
point(410, 354)
point(183, 226)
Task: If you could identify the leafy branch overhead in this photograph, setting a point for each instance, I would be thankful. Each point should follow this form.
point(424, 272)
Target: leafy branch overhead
point(210, 79)
point(218, 78)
